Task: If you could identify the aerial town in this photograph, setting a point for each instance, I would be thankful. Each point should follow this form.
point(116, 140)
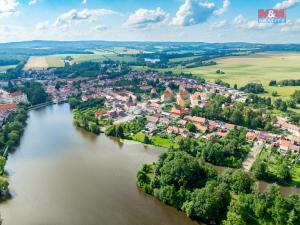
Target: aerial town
point(166, 110)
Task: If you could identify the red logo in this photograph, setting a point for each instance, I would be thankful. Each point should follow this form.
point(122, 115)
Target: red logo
point(271, 15)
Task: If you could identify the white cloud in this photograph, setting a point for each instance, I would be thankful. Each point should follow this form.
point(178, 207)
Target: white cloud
point(8, 7)
point(193, 12)
point(32, 2)
point(242, 22)
point(220, 11)
point(219, 24)
point(84, 1)
point(101, 28)
point(144, 18)
point(291, 26)
point(65, 20)
point(286, 4)
point(43, 25)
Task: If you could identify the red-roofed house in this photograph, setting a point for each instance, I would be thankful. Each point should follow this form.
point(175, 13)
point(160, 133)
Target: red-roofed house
point(10, 106)
point(284, 144)
point(167, 97)
point(178, 111)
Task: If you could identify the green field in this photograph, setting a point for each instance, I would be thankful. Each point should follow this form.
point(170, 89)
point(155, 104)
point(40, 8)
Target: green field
point(4, 68)
point(99, 55)
point(261, 67)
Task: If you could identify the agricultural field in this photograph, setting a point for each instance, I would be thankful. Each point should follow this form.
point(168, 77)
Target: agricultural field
point(261, 67)
point(36, 62)
point(99, 55)
point(4, 68)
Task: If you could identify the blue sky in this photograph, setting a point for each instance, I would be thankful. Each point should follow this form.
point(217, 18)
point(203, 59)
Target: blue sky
point(147, 20)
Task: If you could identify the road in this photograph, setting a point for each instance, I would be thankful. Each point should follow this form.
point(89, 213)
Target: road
point(254, 152)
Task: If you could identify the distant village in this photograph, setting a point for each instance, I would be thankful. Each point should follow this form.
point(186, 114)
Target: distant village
point(167, 108)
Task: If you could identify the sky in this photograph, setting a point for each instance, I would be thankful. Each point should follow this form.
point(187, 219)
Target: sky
point(147, 20)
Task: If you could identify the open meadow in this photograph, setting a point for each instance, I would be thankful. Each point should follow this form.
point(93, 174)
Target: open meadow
point(261, 68)
point(99, 55)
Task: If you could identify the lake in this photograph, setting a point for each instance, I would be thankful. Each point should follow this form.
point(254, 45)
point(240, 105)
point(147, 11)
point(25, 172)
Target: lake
point(62, 175)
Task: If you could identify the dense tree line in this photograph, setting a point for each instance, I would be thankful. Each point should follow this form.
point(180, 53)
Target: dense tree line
point(222, 83)
point(230, 150)
point(183, 181)
point(290, 82)
point(11, 131)
point(10, 135)
point(126, 129)
point(35, 92)
point(8, 62)
point(82, 105)
point(253, 88)
point(107, 69)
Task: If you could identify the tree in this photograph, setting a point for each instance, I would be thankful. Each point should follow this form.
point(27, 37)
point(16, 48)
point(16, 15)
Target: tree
point(2, 164)
point(119, 131)
point(273, 83)
point(182, 170)
point(259, 169)
point(283, 172)
point(208, 204)
point(241, 182)
point(253, 88)
point(274, 93)
point(234, 219)
point(296, 96)
point(147, 140)
point(191, 127)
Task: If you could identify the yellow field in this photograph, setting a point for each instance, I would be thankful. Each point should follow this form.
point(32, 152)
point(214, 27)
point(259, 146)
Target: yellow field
point(37, 63)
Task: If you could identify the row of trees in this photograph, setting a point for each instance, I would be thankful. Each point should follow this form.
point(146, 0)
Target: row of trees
point(127, 129)
point(10, 135)
point(255, 88)
point(290, 82)
point(11, 132)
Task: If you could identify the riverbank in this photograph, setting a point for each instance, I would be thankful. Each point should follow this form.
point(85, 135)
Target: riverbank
point(10, 136)
point(231, 150)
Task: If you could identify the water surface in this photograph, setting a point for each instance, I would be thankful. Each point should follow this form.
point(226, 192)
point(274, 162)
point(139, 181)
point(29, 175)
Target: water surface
point(61, 175)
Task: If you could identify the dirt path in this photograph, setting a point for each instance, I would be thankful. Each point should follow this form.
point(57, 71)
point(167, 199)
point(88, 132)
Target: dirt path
point(254, 152)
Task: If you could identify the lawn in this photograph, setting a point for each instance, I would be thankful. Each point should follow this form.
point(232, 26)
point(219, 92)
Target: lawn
point(296, 174)
point(261, 67)
point(273, 163)
point(156, 140)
